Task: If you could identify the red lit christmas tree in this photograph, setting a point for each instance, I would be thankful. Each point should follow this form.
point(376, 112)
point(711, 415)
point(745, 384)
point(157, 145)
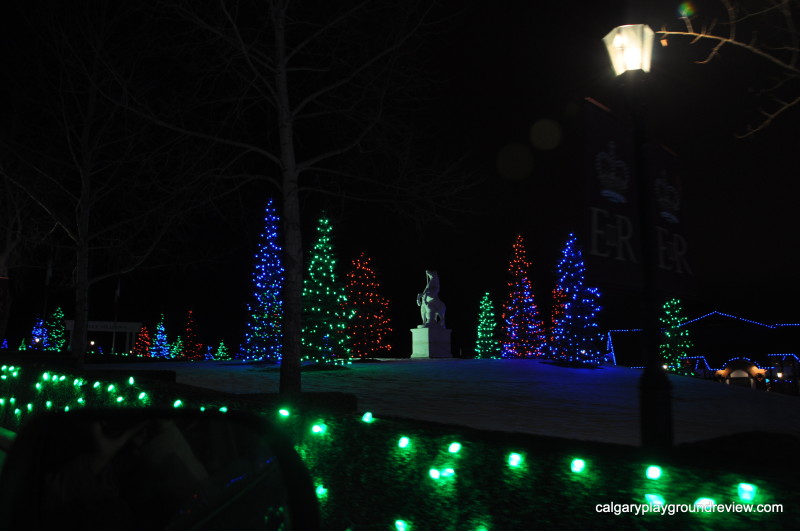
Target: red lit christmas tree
point(367, 310)
point(192, 348)
point(524, 335)
point(141, 346)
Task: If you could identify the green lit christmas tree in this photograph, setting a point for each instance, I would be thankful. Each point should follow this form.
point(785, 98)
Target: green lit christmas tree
point(486, 344)
point(56, 338)
point(575, 335)
point(324, 321)
point(222, 352)
point(368, 325)
point(675, 341)
point(263, 335)
point(524, 335)
point(176, 349)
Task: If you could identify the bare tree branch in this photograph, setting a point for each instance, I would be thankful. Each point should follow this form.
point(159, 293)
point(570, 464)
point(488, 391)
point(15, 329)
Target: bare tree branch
point(780, 51)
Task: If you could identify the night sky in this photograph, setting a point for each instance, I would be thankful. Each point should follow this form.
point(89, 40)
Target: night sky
point(497, 71)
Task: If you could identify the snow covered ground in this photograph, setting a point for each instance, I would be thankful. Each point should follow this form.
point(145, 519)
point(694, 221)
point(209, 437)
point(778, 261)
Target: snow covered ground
point(517, 396)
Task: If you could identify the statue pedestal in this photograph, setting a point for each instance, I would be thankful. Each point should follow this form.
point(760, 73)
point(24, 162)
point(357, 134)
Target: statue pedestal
point(430, 342)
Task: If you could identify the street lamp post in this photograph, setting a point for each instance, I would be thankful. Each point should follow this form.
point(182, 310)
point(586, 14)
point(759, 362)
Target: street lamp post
point(630, 49)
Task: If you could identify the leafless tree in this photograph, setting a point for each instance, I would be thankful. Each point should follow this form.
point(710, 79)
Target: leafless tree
point(764, 29)
point(106, 179)
point(16, 229)
point(302, 90)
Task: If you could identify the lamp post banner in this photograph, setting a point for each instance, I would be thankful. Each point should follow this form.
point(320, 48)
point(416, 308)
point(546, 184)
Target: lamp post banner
point(613, 234)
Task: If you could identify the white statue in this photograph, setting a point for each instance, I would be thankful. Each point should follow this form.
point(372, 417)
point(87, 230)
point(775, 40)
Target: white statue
point(431, 306)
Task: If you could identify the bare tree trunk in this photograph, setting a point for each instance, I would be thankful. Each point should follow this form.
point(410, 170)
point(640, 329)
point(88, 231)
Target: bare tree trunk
point(80, 329)
point(290, 381)
point(5, 299)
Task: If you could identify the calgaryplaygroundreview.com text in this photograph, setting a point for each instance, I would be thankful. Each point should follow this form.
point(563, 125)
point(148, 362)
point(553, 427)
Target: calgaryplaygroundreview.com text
point(670, 509)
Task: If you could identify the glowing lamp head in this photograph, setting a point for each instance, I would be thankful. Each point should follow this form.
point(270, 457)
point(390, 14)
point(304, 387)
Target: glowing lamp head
point(630, 47)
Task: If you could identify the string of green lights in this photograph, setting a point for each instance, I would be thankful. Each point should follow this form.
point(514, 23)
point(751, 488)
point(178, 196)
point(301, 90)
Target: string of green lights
point(423, 477)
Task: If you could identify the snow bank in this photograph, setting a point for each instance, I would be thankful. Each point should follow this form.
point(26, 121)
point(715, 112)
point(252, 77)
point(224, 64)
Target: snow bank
point(519, 396)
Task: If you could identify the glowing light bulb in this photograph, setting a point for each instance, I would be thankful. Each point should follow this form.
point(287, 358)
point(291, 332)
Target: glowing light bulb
point(747, 491)
point(578, 465)
point(454, 448)
point(704, 502)
point(654, 499)
point(404, 442)
point(514, 459)
point(653, 472)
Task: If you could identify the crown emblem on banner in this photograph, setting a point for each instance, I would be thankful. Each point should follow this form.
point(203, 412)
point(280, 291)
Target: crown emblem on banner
point(612, 173)
point(668, 199)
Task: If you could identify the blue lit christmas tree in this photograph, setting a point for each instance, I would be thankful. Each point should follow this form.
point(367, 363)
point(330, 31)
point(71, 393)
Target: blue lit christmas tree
point(524, 335)
point(324, 321)
point(263, 334)
point(486, 344)
point(575, 336)
point(38, 334)
point(159, 348)
point(675, 341)
point(368, 325)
